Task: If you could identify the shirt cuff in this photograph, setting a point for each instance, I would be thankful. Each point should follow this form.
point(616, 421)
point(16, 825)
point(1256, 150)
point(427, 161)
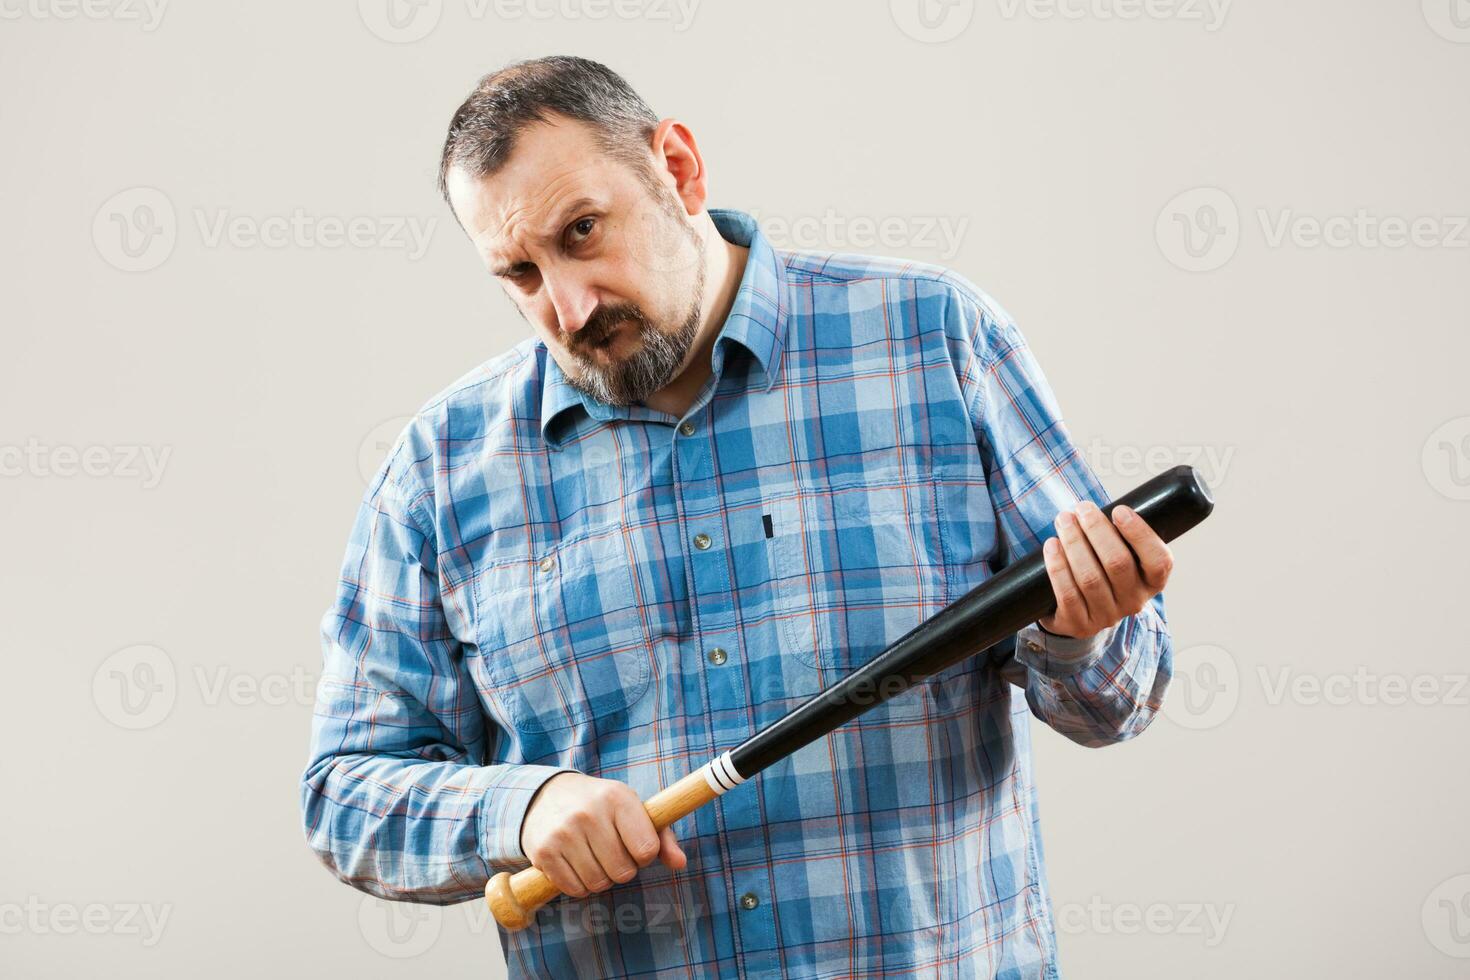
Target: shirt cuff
point(507, 797)
point(1060, 656)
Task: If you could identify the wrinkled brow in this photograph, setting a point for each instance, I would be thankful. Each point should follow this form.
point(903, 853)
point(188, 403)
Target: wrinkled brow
point(563, 215)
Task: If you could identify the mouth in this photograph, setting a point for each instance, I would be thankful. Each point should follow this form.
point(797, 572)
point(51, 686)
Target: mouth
point(608, 339)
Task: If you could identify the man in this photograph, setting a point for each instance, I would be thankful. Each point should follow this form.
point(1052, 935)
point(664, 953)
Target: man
point(719, 476)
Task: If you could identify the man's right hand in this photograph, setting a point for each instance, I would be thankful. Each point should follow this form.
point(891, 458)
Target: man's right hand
point(585, 833)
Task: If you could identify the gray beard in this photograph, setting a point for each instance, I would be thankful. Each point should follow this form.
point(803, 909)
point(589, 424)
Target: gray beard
point(659, 356)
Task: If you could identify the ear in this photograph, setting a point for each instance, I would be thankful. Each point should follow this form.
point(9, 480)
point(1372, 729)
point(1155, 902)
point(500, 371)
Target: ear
point(677, 162)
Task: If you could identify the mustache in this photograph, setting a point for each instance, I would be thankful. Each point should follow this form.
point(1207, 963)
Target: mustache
point(602, 321)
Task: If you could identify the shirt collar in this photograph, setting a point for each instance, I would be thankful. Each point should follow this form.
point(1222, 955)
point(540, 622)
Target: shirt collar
point(756, 321)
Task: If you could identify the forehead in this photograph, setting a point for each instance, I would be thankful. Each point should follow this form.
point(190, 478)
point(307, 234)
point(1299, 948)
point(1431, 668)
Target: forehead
point(554, 165)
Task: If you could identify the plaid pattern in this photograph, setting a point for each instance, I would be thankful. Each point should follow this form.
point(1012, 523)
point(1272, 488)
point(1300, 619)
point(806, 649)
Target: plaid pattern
point(525, 592)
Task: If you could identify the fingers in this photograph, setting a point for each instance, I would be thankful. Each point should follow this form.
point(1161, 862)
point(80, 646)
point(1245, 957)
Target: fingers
point(1071, 606)
point(1154, 556)
point(669, 852)
point(637, 836)
point(1116, 558)
point(561, 874)
point(1087, 571)
point(589, 870)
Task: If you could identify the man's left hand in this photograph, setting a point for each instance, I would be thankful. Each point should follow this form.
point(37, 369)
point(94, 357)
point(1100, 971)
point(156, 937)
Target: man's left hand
point(1102, 571)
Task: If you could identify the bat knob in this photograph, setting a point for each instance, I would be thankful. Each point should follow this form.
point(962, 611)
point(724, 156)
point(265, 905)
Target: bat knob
point(504, 905)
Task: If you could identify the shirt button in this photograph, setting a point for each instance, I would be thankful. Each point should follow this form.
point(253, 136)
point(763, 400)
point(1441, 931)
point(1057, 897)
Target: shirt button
point(749, 901)
point(701, 541)
point(717, 656)
point(687, 428)
point(547, 563)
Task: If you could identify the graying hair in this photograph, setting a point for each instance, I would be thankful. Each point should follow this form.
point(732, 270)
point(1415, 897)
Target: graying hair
point(484, 129)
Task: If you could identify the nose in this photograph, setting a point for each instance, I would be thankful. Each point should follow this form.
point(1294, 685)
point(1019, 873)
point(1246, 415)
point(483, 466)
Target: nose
point(573, 299)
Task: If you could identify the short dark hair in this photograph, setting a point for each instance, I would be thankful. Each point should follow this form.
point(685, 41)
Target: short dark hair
point(483, 132)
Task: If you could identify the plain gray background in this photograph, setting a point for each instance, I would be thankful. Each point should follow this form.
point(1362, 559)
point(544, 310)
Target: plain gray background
point(1234, 234)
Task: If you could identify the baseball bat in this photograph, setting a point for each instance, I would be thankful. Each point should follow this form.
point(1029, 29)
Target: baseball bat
point(1017, 595)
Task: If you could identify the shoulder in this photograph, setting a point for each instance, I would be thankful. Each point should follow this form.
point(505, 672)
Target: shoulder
point(970, 315)
point(455, 419)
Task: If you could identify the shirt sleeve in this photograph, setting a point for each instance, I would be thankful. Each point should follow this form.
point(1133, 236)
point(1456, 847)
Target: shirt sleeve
point(1098, 690)
point(396, 798)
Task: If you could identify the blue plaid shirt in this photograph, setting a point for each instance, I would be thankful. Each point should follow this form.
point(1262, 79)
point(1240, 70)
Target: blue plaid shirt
point(537, 582)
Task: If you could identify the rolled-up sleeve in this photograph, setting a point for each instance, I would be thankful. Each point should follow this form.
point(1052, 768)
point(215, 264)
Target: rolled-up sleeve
point(396, 798)
point(1098, 690)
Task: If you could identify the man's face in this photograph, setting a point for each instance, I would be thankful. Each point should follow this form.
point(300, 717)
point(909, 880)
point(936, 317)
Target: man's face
point(609, 273)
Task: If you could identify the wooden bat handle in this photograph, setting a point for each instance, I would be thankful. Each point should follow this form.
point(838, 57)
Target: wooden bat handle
point(514, 898)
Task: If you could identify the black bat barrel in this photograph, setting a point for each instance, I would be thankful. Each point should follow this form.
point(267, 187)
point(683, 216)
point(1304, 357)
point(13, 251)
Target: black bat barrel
point(1017, 595)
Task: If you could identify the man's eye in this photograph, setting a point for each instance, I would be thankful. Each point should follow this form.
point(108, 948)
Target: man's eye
point(581, 228)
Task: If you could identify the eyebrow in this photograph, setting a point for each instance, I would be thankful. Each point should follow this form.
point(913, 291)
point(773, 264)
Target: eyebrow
point(562, 216)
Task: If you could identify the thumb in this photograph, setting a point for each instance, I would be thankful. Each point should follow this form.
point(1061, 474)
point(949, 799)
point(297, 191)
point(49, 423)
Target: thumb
point(669, 851)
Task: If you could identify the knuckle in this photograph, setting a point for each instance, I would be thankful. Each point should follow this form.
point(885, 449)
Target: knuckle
point(644, 851)
point(1118, 564)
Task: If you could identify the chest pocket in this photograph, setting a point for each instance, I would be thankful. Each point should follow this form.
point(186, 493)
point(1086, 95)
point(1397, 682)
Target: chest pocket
point(562, 640)
point(853, 570)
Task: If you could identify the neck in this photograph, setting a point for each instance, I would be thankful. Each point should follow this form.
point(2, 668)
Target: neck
point(724, 267)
